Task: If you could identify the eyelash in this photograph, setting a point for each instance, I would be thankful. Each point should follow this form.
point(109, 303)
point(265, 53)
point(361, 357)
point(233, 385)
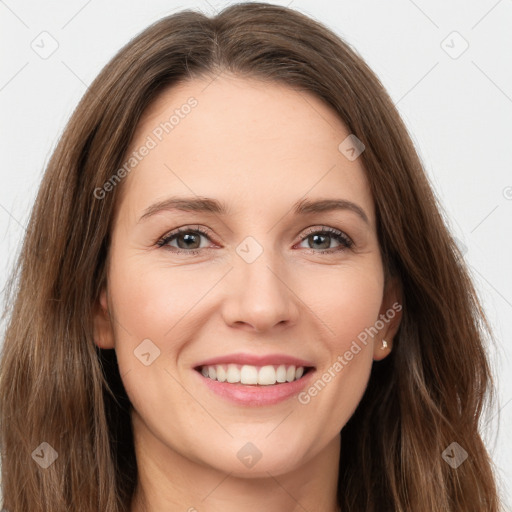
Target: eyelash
point(342, 238)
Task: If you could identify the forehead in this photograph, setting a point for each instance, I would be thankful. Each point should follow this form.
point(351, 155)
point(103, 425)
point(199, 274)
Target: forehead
point(249, 143)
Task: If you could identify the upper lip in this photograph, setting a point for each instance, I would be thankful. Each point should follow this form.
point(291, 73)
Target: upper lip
point(256, 360)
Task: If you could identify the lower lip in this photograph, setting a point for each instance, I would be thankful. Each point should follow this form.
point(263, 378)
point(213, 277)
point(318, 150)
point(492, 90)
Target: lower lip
point(257, 395)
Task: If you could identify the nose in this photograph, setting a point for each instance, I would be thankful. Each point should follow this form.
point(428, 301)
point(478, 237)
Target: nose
point(260, 294)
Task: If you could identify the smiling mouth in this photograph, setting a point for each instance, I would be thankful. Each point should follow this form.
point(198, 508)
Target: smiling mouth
point(250, 375)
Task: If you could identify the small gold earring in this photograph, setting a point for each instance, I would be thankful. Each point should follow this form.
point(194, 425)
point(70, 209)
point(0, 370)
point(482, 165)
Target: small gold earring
point(384, 345)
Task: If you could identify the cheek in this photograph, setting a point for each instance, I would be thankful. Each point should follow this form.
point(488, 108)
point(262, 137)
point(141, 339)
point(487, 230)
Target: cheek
point(347, 301)
point(147, 307)
point(348, 308)
point(151, 302)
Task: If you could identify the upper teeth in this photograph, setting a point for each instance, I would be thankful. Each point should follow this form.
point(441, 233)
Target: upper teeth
point(248, 374)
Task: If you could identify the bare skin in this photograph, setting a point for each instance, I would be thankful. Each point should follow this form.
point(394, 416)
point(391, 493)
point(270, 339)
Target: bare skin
point(259, 148)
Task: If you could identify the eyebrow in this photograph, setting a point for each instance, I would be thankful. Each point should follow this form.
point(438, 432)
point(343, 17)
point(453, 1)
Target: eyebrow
point(207, 205)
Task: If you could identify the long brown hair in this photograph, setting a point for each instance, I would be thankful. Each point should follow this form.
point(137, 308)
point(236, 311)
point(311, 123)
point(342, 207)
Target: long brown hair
point(58, 388)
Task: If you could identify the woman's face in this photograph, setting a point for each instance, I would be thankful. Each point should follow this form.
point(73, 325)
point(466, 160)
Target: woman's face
point(264, 291)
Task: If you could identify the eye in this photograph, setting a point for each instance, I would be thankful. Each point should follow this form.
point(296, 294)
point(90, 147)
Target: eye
point(322, 238)
point(187, 239)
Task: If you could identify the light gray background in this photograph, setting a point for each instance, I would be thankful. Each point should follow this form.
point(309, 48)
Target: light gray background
point(457, 106)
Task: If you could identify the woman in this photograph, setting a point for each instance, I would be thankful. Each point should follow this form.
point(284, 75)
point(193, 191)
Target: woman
point(177, 338)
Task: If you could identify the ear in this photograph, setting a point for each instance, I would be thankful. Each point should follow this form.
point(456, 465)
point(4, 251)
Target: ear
point(390, 315)
point(103, 332)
